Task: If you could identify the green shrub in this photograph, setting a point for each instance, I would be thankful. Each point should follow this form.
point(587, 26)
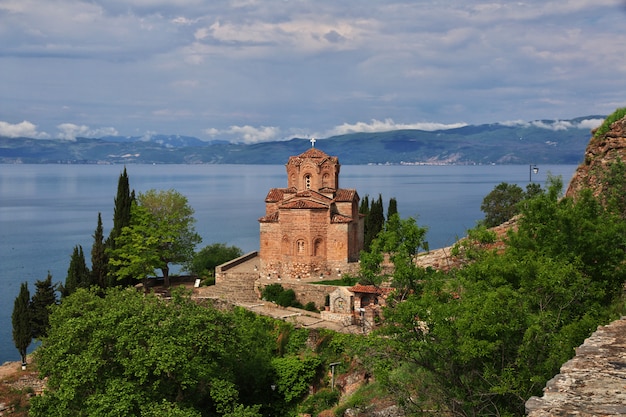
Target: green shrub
point(272, 292)
point(277, 294)
point(612, 118)
point(310, 306)
point(320, 401)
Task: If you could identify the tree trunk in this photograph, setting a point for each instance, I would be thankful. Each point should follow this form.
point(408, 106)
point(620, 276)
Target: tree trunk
point(166, 276)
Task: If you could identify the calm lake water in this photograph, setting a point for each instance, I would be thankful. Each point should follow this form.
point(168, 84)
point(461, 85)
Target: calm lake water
point(45, 210)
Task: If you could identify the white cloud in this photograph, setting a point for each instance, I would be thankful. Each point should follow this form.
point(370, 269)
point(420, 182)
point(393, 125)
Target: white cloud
point(556, 124)
point(387, 125)
point(590, 123)
point(24, 129)
point(70, 131)
point(251, 134)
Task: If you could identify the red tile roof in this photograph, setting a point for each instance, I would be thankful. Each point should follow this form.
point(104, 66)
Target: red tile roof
point(344, 195)
point(366, 289)
point(340, 218)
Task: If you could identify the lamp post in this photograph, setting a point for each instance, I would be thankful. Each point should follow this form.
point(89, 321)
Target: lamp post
point(332, 370)
point(532, 169)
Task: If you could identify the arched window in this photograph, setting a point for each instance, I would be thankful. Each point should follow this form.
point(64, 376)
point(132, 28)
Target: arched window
point(318, 247)
point(326, 180)
point(307, 181)
point(300, 249)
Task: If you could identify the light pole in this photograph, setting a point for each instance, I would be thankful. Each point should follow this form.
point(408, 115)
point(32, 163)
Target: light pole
point(532, 169)
point(332, 370)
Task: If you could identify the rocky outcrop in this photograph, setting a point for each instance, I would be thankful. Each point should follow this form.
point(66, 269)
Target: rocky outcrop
point(593, 383)
point(601, 151)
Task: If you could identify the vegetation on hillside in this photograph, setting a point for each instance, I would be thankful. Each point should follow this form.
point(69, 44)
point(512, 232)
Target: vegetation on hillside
point(612, 118)
point(477, 340)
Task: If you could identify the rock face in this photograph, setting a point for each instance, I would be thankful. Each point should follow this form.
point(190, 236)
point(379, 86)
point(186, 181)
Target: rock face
point(593, 383)
point(600, 152)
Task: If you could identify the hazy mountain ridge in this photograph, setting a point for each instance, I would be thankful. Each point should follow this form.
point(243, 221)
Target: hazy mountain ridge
point(519, 143)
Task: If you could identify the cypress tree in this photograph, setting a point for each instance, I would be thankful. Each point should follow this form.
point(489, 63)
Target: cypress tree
point(22, 331)
point(364, 207)
point(121, 211)
point(121, 218)
point(43, 298)
point(99, 259)
point(78, 274)
point(374, 221)
point(393, 208)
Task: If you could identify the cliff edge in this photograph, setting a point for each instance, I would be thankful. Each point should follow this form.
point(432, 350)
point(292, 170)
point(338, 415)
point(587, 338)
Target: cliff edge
point(603, 149)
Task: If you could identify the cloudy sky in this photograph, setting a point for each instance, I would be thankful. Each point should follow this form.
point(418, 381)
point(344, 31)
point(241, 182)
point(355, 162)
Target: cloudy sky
point(257, 70)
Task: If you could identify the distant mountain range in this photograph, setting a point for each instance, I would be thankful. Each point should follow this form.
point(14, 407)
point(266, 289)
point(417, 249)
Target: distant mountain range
point(545, 141)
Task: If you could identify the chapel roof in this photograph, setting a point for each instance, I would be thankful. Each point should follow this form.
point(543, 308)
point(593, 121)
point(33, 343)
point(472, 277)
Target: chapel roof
point(304, 204)
point(345, 194)
point(340, 218)
point(318, 156)
point(368, 289)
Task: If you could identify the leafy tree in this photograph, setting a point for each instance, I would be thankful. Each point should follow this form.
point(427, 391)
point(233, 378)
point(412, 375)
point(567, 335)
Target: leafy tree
point(489, 336)
point(99, 260)
point(174, 221)
point(136, 254)
point(204, 262)
point(78, 274)
point(133, 354)
point(294, 375)
point(401, 241)
point(161, 232)
point(21, 319)
point(501, 204)
point(44, 298)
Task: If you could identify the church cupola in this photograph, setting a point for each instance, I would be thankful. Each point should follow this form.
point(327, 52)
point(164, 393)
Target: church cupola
point(313, 170)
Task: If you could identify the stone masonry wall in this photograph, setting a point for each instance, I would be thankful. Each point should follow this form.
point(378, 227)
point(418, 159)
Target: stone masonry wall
point(593, 383)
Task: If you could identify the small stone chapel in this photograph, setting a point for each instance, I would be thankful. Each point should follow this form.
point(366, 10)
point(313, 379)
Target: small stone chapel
point(312, 228)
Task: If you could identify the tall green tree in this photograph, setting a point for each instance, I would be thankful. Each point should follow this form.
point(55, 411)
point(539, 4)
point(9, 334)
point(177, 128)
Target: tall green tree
point(161, 232)
point(392, 208)
point(364, 206)
point(99, 259)
point(78, 275)
point(121, 218)
point(44, 298)
point(21, 319)
point(374, 222)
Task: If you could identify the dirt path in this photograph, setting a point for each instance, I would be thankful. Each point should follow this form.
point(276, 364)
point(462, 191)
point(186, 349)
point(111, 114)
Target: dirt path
point(10, 368)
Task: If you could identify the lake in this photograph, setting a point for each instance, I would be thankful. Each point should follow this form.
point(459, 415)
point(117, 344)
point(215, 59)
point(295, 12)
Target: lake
point(45, 210)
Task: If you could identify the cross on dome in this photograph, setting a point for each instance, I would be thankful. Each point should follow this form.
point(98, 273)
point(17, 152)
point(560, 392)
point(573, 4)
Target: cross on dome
point(313, 142)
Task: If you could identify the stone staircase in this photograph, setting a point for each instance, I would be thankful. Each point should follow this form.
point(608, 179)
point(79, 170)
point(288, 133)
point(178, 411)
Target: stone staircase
point(235, 281)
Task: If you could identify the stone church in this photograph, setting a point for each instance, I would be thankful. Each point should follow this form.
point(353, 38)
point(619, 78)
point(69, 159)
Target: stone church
point(311, 228)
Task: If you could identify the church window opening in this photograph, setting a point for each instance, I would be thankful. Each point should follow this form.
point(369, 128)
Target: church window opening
point(307, 181)
point(318, 247)
point(300, 247)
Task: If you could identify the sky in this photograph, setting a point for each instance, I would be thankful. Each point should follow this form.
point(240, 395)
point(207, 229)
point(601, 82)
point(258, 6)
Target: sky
point(258, 70)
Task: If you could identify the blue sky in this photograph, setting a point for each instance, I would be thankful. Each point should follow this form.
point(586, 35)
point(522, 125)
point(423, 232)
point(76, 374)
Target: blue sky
point(251, 71)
